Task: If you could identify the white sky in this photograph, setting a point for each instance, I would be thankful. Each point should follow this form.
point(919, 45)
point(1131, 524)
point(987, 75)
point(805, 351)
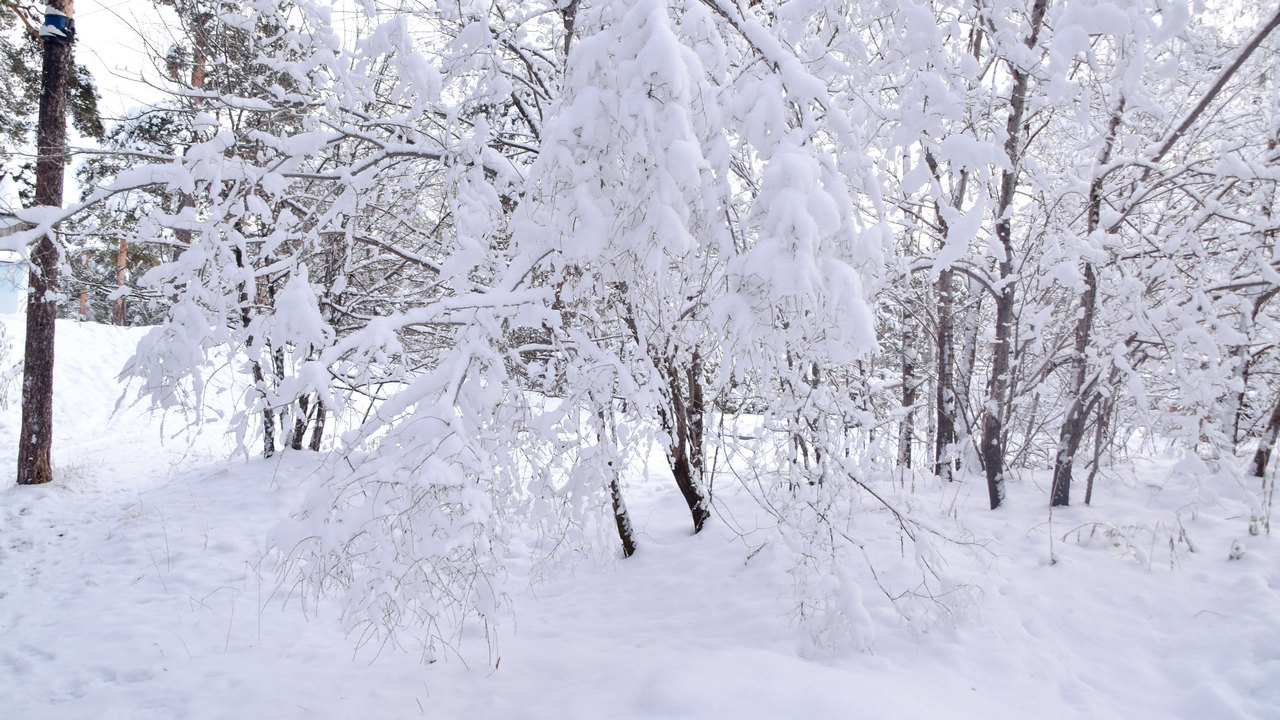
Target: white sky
point(111, 40)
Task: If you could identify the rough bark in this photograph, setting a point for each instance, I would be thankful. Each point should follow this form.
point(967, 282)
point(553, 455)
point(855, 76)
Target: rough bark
point(35, 440)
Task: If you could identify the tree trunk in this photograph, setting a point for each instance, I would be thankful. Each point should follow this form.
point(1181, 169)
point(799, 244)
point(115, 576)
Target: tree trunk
point(993, 442)
point(259, 379)
point(906, 436)
point(945, 438)
point(945, 399)
point(682, 422)
point(122, 258)
point(317, 431)
point(1077, 415)
point(199, 72)
point(680, 415)
point(84, 290)
point(1099, 442)
point(35, 440)
point(1266, 443)
point(606, 435)
point(966, 360)
point(1077, 403)
point(300, 423)
point(268, 417)
point(948, 401)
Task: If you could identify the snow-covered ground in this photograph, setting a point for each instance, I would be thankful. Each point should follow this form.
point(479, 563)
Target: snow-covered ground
point(133, 587)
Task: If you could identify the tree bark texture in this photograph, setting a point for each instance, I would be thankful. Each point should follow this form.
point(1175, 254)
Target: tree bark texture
point(35, 441)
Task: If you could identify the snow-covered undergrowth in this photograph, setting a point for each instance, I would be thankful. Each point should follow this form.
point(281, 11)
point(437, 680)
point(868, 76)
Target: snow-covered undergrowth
point(135, 586)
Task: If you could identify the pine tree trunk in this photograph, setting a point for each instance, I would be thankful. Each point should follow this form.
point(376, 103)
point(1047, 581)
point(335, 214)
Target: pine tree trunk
point(199, 66)
point(122, 257)
point(84, 290)
point(35, 440)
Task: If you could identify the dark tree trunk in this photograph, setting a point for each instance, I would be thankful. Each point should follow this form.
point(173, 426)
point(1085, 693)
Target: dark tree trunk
point(620, 516)
point(1266, 443)
point(1099, 442)
point(944, 340)
point(1077, 415)
point(946, 396)
point(906, 436)
point(947, 401)
point(968, 356)
point(268, 417)
point(300, 423)
point(993, 441)
point(1078, 402)
point(680, 414)
point(35, 440)
point(259, 378)
point(317, 431)
point(682, 421)
point(607, 435)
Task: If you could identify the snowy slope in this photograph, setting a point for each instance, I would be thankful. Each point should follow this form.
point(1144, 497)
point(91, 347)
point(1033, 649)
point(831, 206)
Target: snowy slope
point(133, 588)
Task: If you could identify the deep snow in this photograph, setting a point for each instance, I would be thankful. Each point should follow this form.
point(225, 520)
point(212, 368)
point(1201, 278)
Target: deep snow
point(133, 587)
